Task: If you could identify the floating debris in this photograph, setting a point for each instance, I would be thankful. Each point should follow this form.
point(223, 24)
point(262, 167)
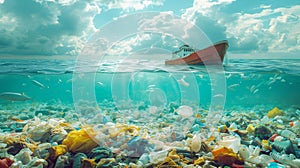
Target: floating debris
point(183, 82)
point(39, 84)
point(233, 86)
point(100, 84)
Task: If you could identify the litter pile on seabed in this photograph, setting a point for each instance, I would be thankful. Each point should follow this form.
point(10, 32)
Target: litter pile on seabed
point(48, 135)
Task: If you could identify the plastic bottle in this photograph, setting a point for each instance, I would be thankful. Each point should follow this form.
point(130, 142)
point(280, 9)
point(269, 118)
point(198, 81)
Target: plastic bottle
point(288, 134)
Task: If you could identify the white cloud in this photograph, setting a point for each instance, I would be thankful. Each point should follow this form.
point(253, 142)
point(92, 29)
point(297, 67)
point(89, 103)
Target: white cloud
point(54, 27)
point(154, 30)
point(8, 23)
point(207, 15)
point(265, 6)
point(45, 27)
point(275, 30)
point(167, 23)
point(204, 7)
point(130, 4)
point(285, 30)
point(128, 45)
point(61, 2)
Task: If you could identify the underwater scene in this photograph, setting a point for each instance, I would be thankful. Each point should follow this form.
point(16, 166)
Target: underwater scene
point(141, 113)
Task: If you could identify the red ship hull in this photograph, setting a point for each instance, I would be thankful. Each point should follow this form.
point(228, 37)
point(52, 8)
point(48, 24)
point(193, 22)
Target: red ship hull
point(210, 55)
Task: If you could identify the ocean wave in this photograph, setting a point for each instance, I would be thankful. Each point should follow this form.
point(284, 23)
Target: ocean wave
point(70, 66)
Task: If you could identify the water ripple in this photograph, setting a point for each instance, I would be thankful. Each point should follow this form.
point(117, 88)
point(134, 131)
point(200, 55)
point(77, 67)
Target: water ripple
point(109, 66)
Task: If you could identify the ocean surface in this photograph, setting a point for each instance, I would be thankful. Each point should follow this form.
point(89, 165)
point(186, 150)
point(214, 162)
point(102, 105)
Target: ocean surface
point(130, 83)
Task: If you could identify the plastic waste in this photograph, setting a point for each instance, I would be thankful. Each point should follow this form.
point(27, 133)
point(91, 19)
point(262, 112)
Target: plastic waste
point(56, 151)
point(44, 146)
point(77, 160)
point(233, 126)
point(279, 138)
point(81, 140)
point(222, 128)
point(85, 162)
point(139, 146)
point(199, 161)
point(272, 138)
point(36, 162)
point(264, 160)
point(250, 128)
point(3, 150)
point(196, 143)
point(232, 142)
point(274, 165)
point(6, 162)
point(185, 111)
point(157, 157)
point(226, 156)
point(286, 159)
point(144, 159)
point(296, 124)
point(169, 162)
point(153, 109)
point(254, 150)
point(244, 152)
point(62, 161)
point(265, 120)
point(99, 153)
point(284, 146)
point(266, 145)
point(106, 163)
point(262, 132)
point(24, 156)
point(274, 112)
point(196, 128)
point(16, 164)
point(288, 134)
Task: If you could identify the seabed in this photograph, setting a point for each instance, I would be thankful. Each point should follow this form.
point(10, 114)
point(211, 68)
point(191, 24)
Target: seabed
point(57, 135)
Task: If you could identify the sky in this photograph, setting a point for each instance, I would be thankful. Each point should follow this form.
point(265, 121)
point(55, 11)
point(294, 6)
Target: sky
point(254, 29)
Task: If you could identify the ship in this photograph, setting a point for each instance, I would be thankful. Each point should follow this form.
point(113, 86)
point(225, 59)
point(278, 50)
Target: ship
point(213, 54)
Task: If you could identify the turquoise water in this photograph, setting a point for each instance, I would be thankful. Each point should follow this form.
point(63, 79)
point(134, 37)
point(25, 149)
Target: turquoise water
point(132, 83)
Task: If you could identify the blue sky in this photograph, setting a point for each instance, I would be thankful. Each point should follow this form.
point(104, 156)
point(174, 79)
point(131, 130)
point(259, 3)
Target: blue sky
point(256, 28)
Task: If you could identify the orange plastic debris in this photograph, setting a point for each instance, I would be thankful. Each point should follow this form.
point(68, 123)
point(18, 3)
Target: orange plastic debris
point(226, 156)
